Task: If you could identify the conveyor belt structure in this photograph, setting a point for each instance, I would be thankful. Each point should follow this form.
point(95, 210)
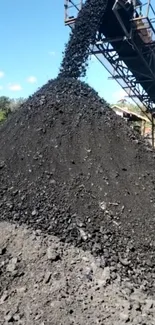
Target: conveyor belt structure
point(125, 45)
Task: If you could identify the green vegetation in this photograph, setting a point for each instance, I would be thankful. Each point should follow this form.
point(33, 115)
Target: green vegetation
point(2, 116)
point(8, 106)
point(4, 108)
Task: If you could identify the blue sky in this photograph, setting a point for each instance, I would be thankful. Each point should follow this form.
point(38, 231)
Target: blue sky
point(32, 38)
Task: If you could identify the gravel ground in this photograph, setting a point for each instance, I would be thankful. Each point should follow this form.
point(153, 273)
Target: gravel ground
point(45, 282)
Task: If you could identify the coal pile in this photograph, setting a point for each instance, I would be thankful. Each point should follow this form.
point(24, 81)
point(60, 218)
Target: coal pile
point(69, 166)
point(76, 53)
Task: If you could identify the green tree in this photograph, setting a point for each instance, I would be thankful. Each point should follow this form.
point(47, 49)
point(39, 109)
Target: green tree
point(8, 106)
point(15, 104)
point(5, 105)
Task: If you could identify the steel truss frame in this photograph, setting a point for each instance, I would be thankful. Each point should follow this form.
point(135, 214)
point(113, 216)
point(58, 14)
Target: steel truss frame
point(69, 5)
point(120, 72)
point(109, 58)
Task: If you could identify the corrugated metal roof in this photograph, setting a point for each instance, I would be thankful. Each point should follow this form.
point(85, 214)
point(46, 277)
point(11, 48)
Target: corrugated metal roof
point(126, 110)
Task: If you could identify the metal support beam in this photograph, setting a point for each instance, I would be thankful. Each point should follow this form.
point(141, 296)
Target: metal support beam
point(109, 58)
point(122, 75)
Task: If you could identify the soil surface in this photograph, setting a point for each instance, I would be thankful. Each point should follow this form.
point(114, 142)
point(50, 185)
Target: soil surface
point(44, 282)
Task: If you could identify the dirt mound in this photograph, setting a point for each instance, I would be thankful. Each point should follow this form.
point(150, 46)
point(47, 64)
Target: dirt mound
point(45, 282)
point(83, 35)
point(71, 167)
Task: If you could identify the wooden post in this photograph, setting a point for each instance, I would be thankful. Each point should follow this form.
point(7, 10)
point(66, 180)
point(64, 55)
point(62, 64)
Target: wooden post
point(152, 131)
point(143, 123)
point(144, 128)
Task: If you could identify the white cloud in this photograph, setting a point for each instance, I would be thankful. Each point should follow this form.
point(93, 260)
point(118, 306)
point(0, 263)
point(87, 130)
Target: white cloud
point(2, 74)
point(52, 53)
point(15, 87)
point(1, 88)
point(118, 95)
point(32, 80)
